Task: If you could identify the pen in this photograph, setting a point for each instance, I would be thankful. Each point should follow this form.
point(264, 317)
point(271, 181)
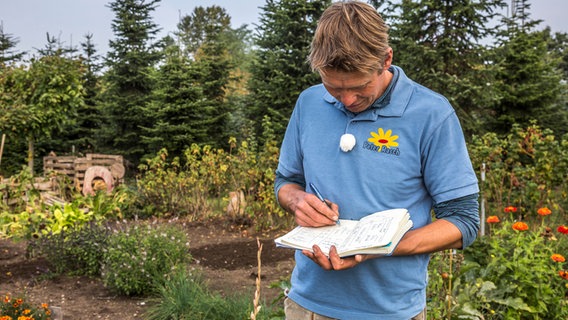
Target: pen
point(320, 196)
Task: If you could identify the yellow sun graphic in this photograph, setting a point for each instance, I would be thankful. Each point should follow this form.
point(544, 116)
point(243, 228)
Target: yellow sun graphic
point(382, 138)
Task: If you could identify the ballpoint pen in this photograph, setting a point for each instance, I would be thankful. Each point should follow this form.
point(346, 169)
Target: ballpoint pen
point(320, 196)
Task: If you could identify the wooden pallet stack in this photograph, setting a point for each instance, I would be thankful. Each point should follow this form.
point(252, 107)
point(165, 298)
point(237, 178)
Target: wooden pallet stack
point(76, 167)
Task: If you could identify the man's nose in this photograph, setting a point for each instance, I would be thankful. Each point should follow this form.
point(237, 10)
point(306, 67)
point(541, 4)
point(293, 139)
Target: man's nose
point(348, 98)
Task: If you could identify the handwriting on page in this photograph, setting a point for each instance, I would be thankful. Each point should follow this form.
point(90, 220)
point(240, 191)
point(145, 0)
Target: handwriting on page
point(324, 237)
point(369, 233)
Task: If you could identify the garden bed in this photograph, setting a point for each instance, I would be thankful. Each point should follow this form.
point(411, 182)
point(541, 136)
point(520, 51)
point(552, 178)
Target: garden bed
point(226, 256)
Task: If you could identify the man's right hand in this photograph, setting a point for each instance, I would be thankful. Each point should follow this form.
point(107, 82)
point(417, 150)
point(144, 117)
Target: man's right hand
point(308, 210)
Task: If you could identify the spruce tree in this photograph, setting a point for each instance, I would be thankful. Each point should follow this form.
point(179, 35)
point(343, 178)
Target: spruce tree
point(280, 70)
point(439, 44)
point(209, 44)
point(128, 84)
point(8, 43)
point(528, 78)
point(179, 107)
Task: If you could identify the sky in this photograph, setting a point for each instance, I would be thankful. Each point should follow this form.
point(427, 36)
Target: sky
point(70, 20)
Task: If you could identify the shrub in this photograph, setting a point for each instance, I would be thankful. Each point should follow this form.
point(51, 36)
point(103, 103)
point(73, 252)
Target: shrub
point(75, 251)
point(512, 274)
point(527, 169)
point(193, 185)
point(138, 257)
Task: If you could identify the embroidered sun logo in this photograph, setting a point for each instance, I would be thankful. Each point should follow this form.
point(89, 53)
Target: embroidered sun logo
point(382, 138)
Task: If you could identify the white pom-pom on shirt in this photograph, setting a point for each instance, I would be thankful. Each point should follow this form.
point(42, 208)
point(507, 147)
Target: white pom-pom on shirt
point(347, 142)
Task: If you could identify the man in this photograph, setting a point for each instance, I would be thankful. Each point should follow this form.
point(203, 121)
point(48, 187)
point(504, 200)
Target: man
point(401, 147)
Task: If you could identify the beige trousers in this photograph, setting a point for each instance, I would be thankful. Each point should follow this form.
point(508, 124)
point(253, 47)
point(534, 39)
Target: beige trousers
point(294, 311)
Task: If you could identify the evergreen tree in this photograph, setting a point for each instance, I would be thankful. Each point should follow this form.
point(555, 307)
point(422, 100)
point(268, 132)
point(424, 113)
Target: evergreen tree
point(81, 138)
point(128, 83)
point(528, 77)
point(179, 107)
point(438, 44)
point(207, 38)
point(8, 44)
point(280, 70)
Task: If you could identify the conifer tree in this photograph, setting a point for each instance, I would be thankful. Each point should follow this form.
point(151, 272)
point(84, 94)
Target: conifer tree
point(280, 70)
point(133, 53)
point(179, 107)
point(81, 138)
point(528, 78)
point(8, 44)
point(439, 44)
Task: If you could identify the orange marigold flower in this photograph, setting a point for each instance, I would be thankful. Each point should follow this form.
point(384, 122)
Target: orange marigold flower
point(510, 209)
point(543, 211)
point(563, 229)
point(563, 274)
point(520, 226)
point(44, 305)
point(493, 219)
point(558, 257)
point(7, 297)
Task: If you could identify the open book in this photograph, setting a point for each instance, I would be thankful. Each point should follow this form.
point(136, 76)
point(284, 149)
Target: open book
point(378, 233)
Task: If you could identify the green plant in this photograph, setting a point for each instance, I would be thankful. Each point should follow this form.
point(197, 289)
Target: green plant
point(196, 184)
point(12, 308)
point(74, 251)
point(140, 256)
point(185, 296)
point(527, 169)
point(511, 275)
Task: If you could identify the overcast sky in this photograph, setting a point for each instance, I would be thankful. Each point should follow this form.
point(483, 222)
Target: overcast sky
point(71, 20)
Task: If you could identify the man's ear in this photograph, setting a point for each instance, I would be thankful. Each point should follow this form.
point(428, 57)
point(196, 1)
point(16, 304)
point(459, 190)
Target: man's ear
point(388, 59)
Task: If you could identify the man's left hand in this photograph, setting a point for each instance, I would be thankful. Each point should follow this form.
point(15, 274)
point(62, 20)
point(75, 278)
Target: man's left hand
point(334, 261)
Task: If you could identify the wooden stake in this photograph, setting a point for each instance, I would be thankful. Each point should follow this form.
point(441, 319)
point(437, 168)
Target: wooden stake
point(2, 147)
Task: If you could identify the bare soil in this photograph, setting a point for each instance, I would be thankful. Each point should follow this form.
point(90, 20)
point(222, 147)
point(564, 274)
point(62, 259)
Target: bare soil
point(227, 257)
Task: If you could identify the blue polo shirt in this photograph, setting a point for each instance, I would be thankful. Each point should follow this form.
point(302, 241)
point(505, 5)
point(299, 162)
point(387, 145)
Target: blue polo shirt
point(409, 153)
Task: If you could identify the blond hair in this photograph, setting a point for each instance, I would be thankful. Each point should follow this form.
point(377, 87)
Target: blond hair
point(351, 36)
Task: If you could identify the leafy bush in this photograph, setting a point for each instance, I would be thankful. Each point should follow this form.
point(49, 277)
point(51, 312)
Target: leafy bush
point(139, 257)
point(193, 185)
point(527, 169)
point(74, 251)
point(516, 272)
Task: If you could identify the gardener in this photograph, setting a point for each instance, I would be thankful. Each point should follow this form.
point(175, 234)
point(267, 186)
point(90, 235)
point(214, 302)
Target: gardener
point(371, 139)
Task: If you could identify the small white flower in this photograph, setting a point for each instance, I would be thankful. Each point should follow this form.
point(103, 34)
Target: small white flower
point(347, 142)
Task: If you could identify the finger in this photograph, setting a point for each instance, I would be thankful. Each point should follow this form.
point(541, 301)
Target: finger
point(339, 263)
point(320, 258)
point(324, 212)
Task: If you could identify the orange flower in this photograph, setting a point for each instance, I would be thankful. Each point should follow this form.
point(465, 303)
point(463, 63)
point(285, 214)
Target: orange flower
point(558, 257)
point(520, 226)
point(543, 211)
point(493, 219)
point(510, 209)
point(563, 229)
point(563, 274)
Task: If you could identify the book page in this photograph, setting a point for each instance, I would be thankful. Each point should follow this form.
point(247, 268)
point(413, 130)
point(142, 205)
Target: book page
point(324, 237)
point(373, 233)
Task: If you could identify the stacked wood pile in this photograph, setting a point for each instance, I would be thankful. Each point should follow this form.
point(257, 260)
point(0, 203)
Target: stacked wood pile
point(109, 168)
point(48, 188)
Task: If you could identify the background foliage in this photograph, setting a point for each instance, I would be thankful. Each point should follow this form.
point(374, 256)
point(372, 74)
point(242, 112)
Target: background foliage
point(201, 113)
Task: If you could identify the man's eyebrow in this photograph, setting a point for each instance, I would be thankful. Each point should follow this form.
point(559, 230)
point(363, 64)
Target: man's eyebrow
point(354, 87)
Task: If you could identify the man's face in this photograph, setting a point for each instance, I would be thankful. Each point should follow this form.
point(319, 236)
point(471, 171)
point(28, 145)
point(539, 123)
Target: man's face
point(356, 90)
